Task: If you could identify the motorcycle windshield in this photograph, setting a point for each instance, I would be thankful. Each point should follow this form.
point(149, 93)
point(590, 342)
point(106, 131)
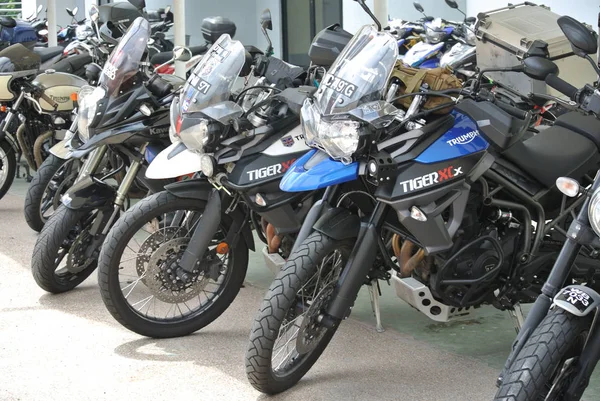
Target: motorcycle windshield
point(360, 73)
point(124, 62)
point(18, 58)
point(212, 79)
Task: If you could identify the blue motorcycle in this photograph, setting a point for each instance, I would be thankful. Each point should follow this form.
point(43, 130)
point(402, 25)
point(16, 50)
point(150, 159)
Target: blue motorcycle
point(457, 210)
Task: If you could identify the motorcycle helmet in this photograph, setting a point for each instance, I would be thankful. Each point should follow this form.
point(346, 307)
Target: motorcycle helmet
point(110, 33)
point(82, 32)
point(92, 73)
point(434, 31)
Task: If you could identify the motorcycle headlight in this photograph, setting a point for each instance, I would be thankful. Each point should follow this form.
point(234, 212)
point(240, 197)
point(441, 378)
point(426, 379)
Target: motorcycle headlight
point(195, 137)
point(173, 117)
point(207, 165)
point(339, 138)
point(88, 105)
point(594, 211)
point(434, 36)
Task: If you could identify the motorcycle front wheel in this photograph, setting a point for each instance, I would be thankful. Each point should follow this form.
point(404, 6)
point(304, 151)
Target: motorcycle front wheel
point(54, 177)
point(60, 259)
point(546, 363)
point(287, 338)
point(138, 262)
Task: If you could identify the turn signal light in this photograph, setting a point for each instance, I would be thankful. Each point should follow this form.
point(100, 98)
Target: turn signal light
point(74, 96)
point(568, 186)
point(222, 248)
point(3, 109)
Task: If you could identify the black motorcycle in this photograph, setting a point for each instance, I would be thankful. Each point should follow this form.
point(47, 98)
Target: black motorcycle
point(450, 211)
point(128, 114)
point(558, 347)
point(176, 260)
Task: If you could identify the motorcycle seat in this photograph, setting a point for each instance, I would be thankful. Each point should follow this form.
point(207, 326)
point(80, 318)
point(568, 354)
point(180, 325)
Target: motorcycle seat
point(46, 53)
point(552, 153)
point(72, 64)
point(163, 57)
point(586, 125)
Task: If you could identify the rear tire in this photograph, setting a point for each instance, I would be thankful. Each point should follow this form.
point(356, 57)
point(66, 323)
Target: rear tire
point(279, 305)
point(534, 369)
point(57, 230)
point(34, 199)
point(8, 164)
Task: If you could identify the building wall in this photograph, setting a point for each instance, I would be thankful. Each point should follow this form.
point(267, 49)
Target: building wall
point(62, 18)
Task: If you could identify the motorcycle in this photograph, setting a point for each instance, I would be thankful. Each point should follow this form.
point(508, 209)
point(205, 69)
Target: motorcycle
point(446, 43)
point(449, 220)
point(36, 106)
point(127, 113)
point(175, 261)
point(558, 346)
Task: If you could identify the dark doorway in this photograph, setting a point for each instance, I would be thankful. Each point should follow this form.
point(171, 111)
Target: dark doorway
point(302, 19)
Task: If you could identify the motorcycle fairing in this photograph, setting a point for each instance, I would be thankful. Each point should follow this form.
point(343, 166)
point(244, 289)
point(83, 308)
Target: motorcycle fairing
point(316, 170)
point(420, 52)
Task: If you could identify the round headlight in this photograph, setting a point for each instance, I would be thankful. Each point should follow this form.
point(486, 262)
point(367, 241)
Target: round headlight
point(339, 139)
point(207, 165)
point(594, 211)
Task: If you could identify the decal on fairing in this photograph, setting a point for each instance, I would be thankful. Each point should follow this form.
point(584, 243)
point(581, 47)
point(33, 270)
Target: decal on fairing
point(427, 180)
point(269, 171)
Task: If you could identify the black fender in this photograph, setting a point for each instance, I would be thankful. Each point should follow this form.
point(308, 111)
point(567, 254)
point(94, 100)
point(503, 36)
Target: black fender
point(199, 188)
point(578, 300)
point(89, 193)
point(338, 223)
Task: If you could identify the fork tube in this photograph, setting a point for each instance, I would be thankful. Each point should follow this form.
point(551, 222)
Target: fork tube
point(92, 163)
point(357, 268)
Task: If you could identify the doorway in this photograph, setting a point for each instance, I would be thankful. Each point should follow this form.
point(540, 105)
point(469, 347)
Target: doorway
point(302, 20)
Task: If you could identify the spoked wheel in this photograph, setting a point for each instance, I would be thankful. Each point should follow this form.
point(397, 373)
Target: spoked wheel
point(63, 255)
point(49, 183)
point(287, 336)
point(544, 368)
point(8, 167)
point(138, 263)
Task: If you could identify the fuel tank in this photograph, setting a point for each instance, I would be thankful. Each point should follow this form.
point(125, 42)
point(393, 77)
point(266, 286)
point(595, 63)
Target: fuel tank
point(59, 87)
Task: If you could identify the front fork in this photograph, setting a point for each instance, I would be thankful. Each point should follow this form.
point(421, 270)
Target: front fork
point(5, 124)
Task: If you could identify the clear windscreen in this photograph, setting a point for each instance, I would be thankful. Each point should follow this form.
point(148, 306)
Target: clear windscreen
point(212, 79)
point(359, 74)
point(125, 59)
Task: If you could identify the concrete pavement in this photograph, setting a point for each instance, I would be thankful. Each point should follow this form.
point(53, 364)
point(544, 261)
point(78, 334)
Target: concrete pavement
point(68, 347)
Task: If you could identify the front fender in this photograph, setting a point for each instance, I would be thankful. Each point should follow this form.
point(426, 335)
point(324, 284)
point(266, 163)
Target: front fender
point(199, 188)
point(89, 193)
point(338, 223)
point(578, 300)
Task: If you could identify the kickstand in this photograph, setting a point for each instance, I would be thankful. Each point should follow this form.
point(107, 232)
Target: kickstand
point(516, 313)
point(374, 293)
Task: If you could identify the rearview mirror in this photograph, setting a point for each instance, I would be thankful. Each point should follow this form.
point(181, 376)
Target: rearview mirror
point(539, 67)
point(181, 53)
point(419, 7)
point(452, 3)
point(265, 20)
point(69, 11)
point(94, 13)
point(583, 41)
point(75, 11)
point(167, 10)
point(470, 20)
point(39, 9)
point(139, 4)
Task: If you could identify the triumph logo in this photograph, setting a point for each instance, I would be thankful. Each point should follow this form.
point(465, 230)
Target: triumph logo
point(463, 139)
point(427, 180)
point(60, 99)
point(269, 171)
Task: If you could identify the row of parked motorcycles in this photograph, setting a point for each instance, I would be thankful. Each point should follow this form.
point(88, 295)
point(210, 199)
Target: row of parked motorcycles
point(355, 170)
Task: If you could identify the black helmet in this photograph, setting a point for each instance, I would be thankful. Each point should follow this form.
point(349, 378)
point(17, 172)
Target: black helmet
point(92, 73)
point(110, 33)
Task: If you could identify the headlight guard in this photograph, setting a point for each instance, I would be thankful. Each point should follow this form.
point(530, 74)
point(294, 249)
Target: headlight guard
point(89, 97)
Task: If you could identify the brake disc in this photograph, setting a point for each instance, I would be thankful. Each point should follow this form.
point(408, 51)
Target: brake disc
point(311, 331)
point(152, 243)
point(77, 260)
point(161, 278)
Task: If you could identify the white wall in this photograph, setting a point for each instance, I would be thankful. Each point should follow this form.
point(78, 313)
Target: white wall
point(355, 17)
point(582, 10)
point(62, 18)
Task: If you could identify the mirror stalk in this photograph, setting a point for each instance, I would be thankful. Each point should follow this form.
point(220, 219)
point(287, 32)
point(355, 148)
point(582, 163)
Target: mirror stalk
point(368, 11)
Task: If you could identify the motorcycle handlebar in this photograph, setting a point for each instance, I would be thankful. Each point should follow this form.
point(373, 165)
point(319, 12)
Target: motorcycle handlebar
point(513, 111)
point(562, 86)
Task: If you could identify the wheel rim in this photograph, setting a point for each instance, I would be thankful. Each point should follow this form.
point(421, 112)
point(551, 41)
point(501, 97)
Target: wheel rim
point(564, 373)
point(56, 187)
point(71, 257)
point(147, 277)
point(3, 167)
point(300, 331)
